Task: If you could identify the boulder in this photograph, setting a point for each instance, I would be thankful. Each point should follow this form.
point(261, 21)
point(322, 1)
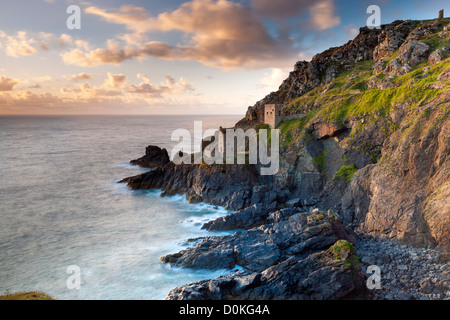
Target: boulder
point(435, 57)
point(413, 52)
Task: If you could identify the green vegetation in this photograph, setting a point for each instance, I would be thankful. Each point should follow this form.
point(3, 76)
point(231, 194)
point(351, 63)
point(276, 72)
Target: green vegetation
point(344, 251)
point(345, 172)
point(292, 129)
point(260, 126)
point(435, 42)
point(338, 105)
point(33, 295)
point(321, 162)
point(316, 217)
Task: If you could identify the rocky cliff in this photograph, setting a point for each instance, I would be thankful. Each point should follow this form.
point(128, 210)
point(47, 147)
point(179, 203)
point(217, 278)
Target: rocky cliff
point(372, 153)
point(374, 143)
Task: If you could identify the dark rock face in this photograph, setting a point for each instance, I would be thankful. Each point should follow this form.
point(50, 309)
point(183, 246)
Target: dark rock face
point(407, 202)
point(322, 129)
point(154, 157)
point(229, 186)
point(250, 217)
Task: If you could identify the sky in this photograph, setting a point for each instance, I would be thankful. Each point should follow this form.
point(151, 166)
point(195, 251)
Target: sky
point(171, 56)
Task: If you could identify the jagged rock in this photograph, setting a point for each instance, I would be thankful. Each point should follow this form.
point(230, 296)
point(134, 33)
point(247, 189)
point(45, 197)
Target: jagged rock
point(379, 66)
point(444, 76)
point(319, 71)
point(394, 68)
point(154, 157)
point(296, 202)
point(259, 248)
point(399, 191)
point(435, 57)
point(322, 129)
point(437, 85)
point(387, 47)
point(415, 212)
point(319, 276)
point(247, 218)
point(229, 186)
point(386, 84)
point(398, 112)
point(194, 198)
point(413, 52)
point(251, 217)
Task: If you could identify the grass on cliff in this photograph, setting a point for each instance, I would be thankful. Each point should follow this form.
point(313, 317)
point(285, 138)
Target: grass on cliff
point(33, 295)
point(338, 104)
point(345, 172)
point(344, 251)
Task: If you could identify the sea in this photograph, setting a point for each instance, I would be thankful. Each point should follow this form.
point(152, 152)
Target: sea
point(69, 229)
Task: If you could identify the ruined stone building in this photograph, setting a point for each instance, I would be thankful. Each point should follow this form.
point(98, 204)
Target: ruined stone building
point(272, 115)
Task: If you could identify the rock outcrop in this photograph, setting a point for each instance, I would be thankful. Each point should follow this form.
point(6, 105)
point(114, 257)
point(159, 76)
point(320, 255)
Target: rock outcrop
point(154, 157)
point(324, 275)
point(299, 257)
point(259, 248)
point(228, 186)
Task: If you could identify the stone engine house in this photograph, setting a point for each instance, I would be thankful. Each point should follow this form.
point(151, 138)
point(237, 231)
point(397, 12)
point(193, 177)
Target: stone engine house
point(272, 115)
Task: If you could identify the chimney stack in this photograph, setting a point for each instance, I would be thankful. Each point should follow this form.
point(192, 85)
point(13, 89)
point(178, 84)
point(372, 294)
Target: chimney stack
point(441, 14)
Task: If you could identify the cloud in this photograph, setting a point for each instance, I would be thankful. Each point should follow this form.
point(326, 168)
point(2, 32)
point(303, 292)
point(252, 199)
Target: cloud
point(273, 80)
point(323, 15)
point(115, 54)
point(81, 76)
point(115, 85)
point(351, 30)
point(135, 18)
point(24, 43)
point(26, 99)
point(7, 84)
point(169, 87)
point(44, 79)
point(85, 92)
point(19, 45)
point(116, 81)
point(322, 12)
point(221, 34)
point(112, 96)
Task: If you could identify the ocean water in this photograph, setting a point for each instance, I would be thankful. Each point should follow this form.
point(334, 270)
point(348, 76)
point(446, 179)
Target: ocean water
point(61, 206)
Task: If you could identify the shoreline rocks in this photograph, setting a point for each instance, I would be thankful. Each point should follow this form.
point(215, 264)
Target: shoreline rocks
point(303, 255)
point(154, 157)
point(258, 248)
point(319, 276)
